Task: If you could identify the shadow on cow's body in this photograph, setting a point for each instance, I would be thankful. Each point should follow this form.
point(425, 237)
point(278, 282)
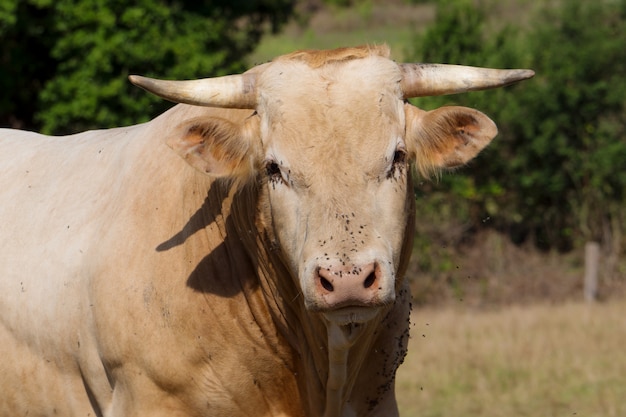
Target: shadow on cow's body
point(205, 215)
point(205, 277)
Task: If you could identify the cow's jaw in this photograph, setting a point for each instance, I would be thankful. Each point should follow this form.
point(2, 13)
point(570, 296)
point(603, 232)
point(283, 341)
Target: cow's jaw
point(350, 316)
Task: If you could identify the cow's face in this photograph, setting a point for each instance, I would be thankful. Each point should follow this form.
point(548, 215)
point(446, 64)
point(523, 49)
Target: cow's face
point(333, 147)
point(336, 165)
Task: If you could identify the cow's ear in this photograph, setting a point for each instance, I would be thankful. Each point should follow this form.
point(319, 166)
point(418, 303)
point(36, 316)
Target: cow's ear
point(217, 146)
point(446, 137)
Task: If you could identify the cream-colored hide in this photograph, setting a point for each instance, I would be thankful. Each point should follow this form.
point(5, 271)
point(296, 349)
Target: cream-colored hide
point(261, 274)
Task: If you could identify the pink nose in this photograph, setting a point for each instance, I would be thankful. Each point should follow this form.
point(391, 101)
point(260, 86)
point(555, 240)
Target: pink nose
point(341, 287)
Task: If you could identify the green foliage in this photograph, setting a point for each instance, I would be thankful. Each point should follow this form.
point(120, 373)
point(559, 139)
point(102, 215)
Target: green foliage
point(554, 172)
point(339, 3)
point(576, 126)
point(456, 35)
point(64, 63)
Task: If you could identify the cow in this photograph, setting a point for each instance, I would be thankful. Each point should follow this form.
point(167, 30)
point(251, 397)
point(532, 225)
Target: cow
point(242, 254)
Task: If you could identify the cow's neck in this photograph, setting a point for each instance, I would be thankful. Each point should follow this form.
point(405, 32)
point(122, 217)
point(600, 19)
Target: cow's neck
point(338, 386)
point(328, 358)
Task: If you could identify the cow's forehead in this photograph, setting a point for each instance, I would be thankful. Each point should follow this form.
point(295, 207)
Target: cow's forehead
point(348, 107)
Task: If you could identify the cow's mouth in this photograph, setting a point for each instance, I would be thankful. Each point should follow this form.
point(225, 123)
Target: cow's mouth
point(351, 315)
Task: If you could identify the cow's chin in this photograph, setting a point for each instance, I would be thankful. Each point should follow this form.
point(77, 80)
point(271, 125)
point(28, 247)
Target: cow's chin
point(351, 315)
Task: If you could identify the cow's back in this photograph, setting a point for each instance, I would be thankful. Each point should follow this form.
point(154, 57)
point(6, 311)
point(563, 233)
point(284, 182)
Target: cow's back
point(57, 196)
point(57, 193)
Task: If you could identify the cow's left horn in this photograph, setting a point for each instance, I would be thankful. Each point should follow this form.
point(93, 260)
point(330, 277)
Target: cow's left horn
point(230, 91)
point(420, 80)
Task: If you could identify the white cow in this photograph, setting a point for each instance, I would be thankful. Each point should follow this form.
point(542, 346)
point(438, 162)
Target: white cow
point(261, 274)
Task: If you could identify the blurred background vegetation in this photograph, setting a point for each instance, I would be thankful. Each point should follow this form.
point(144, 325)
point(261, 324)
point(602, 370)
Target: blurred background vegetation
point(64, 63)
point(508, 228)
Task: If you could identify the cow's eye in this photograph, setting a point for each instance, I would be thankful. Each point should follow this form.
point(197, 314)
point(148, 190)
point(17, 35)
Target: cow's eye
point(399, 163)
point(273, 171)
point(399, 157)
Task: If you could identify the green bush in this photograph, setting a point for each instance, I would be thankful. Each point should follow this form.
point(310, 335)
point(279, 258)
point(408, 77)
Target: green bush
point(64, 63)
point(554, 172)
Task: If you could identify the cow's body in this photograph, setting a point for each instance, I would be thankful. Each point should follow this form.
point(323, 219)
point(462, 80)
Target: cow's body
point(130, 302)
point(133, 284)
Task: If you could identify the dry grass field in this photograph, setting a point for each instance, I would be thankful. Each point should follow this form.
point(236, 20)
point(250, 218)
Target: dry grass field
point(540, 361)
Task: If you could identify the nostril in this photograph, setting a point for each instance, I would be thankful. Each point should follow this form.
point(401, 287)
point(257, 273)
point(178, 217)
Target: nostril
point(369, 281)
point(326, 284)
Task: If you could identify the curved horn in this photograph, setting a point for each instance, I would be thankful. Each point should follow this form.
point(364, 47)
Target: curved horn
point(420, 80)
point(230, 91)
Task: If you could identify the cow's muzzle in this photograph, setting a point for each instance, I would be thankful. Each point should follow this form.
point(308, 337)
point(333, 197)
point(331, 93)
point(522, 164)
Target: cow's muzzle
point(354, 286)
point(350, 293)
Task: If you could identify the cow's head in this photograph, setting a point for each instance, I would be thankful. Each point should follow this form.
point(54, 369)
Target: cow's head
point(334, 140)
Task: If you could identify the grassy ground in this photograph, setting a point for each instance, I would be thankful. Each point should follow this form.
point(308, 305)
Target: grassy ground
point(391, 22)
point(565, 360)
point(395, 22)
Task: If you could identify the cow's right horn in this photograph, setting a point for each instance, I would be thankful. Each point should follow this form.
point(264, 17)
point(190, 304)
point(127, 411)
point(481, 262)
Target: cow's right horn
point(230, 91)
point(420, 80)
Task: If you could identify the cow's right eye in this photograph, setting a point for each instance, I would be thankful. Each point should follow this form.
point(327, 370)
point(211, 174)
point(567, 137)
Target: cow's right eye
point(273, 171)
